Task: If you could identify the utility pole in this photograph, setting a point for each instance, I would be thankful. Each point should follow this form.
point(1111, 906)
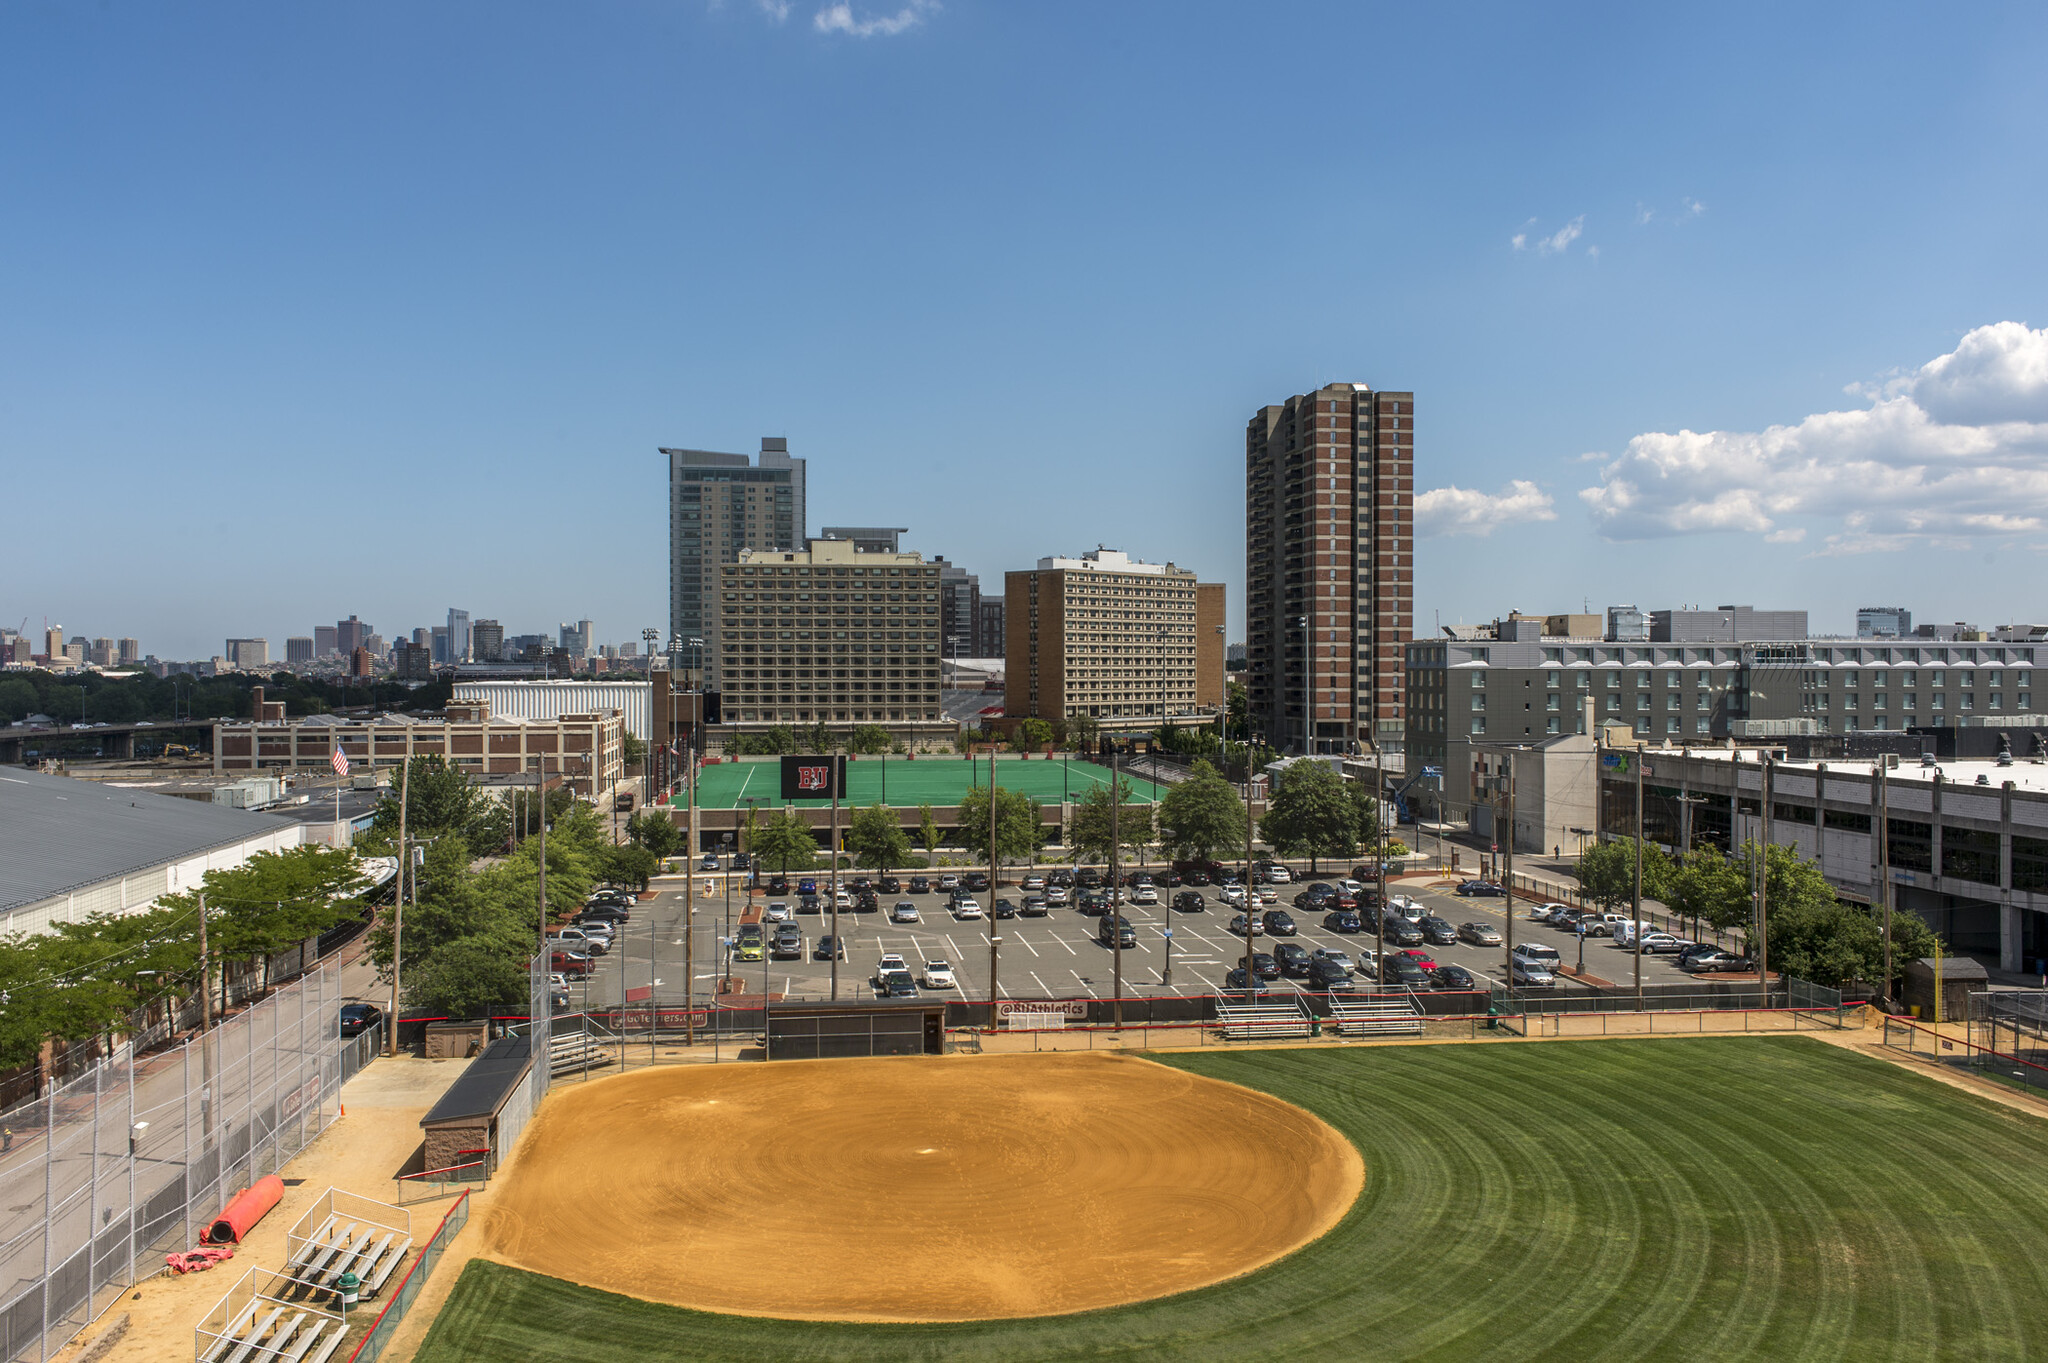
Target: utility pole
point(995, 934)
point(1884, 869)
point(1249, 994)
point(1636, 893)
point(1763, 884)
point(1116, 897)
point(206, 1024)
point(1507, 869)
point(398, 908)
point(838, 772)
point(542, 763)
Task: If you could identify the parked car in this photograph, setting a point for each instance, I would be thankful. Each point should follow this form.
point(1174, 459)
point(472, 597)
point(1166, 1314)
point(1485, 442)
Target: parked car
point(1343, 920)
point(1144, 894)
point(779, 885)
point(1404, 931)
point(938, 975)
point(1057, 894)
point(357, 1018)
point(1326, 974)
point(809, 903)
point(1293, 958)
point(827, 946)
point(1120, 926)
point(1662, 943)
point(1233, 895)
point(789, 943)
point(920, 885)
point(1032, 881)
point(867, 901)
point(898, 984)
point(575, 939)
point(1478, 889)
point(1453, 977)
point(1479, 934)
point(708, 862)
point(887, 962)
point(742, 861)
point(1265, 966)
point(889, 885)
point(1406, 905)
point(1398, 969)
point(1241, 924)
point(1278, 923)
point(904, 912)
point(807, 886)
point(845, 899)
point(1437, 931)
point(778, 912)
point(1190, 901)
point(569, 962)
point(964, 908)
point(1234, 982)
point(1545, 956)
point(977, 881)
point(1715, 959)
point(1421, 958)
point(1277, 873)
point(1530, 974)
point(747, 948)
point(949, 882)
point(1033, 906)
point(1002, 908)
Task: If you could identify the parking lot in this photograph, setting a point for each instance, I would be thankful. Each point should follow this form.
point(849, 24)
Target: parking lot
point(1056, 956)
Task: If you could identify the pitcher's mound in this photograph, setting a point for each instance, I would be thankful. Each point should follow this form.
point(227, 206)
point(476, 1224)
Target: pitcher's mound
point(960, 1188)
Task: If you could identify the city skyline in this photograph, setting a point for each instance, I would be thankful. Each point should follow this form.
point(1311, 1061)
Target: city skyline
point(1679, 336)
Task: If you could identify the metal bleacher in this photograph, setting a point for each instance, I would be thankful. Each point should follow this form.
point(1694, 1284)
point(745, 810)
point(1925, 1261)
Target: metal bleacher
point(1390, 1014)
point(255, 1322)
point(1289, 1021)
point(347, 1233)
point(575, 1052)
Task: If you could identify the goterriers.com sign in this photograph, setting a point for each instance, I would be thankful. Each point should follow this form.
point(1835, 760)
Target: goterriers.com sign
point(813, 778)
point(1068, 1008)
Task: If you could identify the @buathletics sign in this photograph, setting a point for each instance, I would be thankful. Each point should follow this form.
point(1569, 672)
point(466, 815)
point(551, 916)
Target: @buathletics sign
point(813, 778)
point(1066, 1008)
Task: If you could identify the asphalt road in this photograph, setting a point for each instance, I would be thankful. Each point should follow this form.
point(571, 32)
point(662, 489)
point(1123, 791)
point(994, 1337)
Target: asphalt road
point(1056, 956)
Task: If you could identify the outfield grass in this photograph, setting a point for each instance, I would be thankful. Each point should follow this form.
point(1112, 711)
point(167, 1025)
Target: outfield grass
point(1712, 1199)
point(909, 782)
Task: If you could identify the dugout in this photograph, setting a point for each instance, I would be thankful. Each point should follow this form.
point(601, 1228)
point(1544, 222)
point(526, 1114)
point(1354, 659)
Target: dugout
point(466, 1119)
point(815, 1031)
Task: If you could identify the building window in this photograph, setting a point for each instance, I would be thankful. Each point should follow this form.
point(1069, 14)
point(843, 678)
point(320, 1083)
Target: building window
point(1642, 700)
point(1550, 679)
point(1642, 724)
point(1478, 724)
point(1968, 854)
point(1479, 702)
point(1614, 681)
point(1550, 702)
point(1550, 725)
point(1671, 725)
point(1702, 727)
point(1613, 704)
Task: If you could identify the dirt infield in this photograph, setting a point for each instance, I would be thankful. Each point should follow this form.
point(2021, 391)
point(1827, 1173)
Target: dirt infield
point(938, 1189)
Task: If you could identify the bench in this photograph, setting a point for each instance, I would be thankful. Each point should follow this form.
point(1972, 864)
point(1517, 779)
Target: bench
point(1265, 1021)
point(373, 1282)
point(246, 1345)
point(229, 1336)
point(1376, 1015)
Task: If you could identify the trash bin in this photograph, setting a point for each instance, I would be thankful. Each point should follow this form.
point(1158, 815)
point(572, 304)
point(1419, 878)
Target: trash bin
point(350, 1287)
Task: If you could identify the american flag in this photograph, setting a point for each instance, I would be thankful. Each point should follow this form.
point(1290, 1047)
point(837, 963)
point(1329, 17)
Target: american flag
point(339, 761)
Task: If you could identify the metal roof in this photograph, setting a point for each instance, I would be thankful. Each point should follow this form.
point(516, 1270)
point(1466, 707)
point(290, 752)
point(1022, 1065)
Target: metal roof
point(485, 1083)
point(58, 835)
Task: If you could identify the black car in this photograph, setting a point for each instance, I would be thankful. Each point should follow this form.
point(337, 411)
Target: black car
point(608, 913)
point(1293, 958)
point(1401, 931)
point(898, 984)
point(920, 885)
point(808, 903)
point(823, 950)
point(1278, 923)
point(1002, 908)
point(1403, 970)
point(357, 1018)
point(861, 883)
point(1235, 981)
point(1479, 889)
point(1369, 917)
point(867, 901)
point(1454, 977)
point(1087, 877)
point(1121, 926)
point(1343, 920)
point(741, 861)
point(1092, 902)
point(1190, 901)
point(977, 881)
point(1324, 974)
point(1195, 878)
point(1061, 877)
point(788, 944)
point(1314, 896)
point(778, 885)
point(1437, 931)
point(889, 885)
point(1265, 966)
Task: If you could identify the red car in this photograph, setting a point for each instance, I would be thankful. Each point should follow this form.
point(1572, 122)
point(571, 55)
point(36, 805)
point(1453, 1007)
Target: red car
point(1421, 958)
point(569, 963)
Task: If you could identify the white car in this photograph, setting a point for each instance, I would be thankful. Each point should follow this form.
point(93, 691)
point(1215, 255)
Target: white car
point(904, 912)
point(780, 913)
point(890, 961)
point(1144, 894)
point(938, 975)
point(1268, 895)
point(844, 899)
point(1034, 882)
point(1661, 943)
point(1232, 895)
point(1057, 895)
point(1279, 875)
point(964, 908)
point(949, 881)
point(1540, 913)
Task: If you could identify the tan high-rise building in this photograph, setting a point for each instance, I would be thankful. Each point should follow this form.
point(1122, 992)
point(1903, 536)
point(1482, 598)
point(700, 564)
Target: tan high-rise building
point(828, 635)
point(1129, 644)
point(1330, 566)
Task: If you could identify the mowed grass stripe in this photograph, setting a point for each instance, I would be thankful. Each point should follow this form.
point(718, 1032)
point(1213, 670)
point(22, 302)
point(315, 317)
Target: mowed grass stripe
point(1711, 1198)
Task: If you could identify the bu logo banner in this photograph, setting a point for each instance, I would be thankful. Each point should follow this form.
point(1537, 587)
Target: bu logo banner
point(813, 778)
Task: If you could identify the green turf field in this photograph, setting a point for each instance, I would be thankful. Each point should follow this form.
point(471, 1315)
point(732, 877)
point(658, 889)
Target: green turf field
point(1710, 1199)
point(938, 781)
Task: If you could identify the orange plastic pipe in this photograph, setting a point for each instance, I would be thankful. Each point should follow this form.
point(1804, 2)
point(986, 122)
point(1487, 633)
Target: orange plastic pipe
point(244, 1210)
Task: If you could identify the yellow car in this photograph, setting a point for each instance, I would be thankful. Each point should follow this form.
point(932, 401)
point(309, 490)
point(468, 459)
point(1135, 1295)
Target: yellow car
point(747, 949)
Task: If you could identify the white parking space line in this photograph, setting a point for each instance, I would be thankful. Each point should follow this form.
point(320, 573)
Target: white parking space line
point(949, 944)
point(1042, 987)
point(1068, 945)
point(1027, 943)
point(1085, 985)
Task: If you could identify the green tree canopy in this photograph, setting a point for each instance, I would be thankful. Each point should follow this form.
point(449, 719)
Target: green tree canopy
point(927, 832)
point(1032, 735)
point(1019, 832)
point(1089, 828)
point(868, 739)
point(1082, 733)
point(656, 831)
point(1607, 873)
point(876, 838)
point(1201, 816)
point(785, 842)
point(1311, 814)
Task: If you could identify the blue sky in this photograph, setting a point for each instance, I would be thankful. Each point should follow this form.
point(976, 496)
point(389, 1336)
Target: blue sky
point(311, 310)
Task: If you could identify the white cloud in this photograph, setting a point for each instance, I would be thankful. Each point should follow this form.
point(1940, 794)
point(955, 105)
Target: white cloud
point(1644, 215)
point(1593, 251)
point(1468, 511)
point(1693, 207)
point(840, 18)
point(1561, 240)
point(1520, 241)
point(1946, 456)
point(778, 10)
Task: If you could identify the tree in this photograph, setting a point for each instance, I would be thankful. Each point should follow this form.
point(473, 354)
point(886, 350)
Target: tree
point(1607, 873)
point(1200, 815)
point(656, 832)
point(1082, 733)
point(1365, 813)
point(927, 832)
point(868, 740)
point(1019, 831)
point(1089, 830)
point(876, 838)
point(1238, 710)
point(786, 841)
point(627, 864)
point(633, 751)
point(1706, 887)
point(818, 739)
point(439, 799)
point(1311, 814)
point(1032, 735)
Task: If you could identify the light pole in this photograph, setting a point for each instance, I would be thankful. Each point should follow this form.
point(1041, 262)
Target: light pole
point(1116, 926)
point(1884, 870)
point(1308, 688)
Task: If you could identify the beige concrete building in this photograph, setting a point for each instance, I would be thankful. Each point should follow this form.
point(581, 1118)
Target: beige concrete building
point(1127, 643)
point(828, 635)
point(588, 749)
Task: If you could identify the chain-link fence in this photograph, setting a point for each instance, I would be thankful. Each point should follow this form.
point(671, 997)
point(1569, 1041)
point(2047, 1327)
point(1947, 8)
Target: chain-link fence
point(133, 1158)
point(388, 1320)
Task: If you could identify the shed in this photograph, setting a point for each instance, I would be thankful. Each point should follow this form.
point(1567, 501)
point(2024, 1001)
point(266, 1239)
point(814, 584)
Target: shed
point(1961, 977)
point(812, 1031)
point(465, 1121)
point(456, 1040)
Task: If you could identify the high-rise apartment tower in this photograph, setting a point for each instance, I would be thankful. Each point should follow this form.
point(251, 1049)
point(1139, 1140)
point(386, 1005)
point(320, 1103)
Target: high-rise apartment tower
point(719, 506)
point(1330, 566)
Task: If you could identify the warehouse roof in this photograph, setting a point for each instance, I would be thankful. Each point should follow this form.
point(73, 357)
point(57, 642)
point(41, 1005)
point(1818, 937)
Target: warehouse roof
point(484, 1084)
point(58, 835)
